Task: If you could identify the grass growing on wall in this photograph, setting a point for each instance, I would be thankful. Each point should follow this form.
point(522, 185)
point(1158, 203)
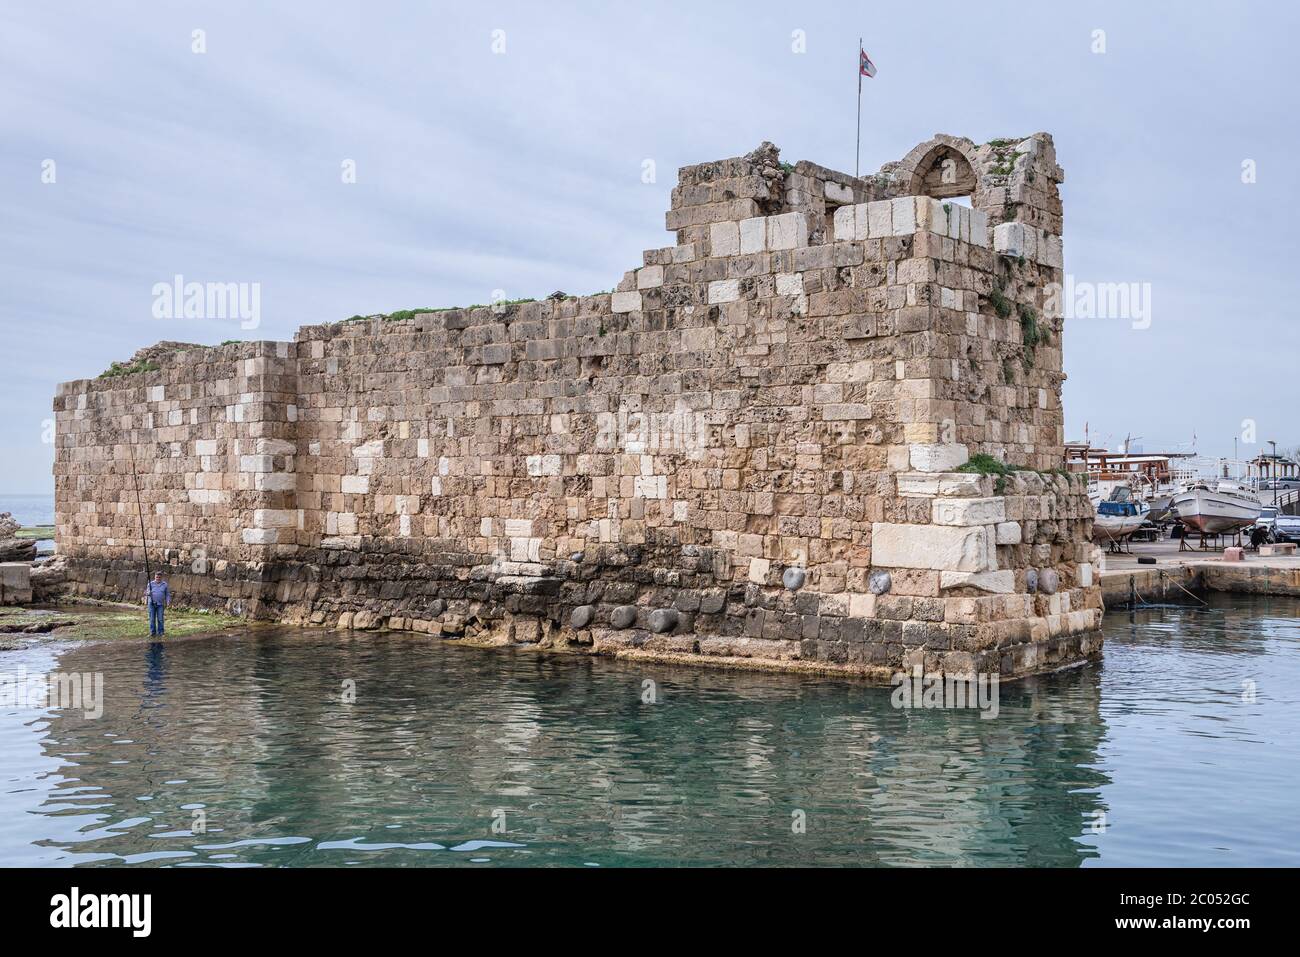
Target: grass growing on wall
point(129, 368)
point(984, 464)
point(401, 315)
point(1030, 330)
point(1001, 304)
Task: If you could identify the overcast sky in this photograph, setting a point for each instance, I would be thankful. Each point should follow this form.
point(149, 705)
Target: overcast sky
point(522, 170)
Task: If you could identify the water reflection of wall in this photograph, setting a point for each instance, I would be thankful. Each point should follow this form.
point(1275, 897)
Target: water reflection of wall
point(440, 737)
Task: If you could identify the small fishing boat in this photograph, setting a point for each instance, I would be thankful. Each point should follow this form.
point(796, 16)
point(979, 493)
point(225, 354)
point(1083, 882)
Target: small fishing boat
point(1118, 518)
point(1213, 508)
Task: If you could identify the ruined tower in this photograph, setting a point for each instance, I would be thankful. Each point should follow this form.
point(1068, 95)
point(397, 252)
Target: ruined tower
point(822, 429)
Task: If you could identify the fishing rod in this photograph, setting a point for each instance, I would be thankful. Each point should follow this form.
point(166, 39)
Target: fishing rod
point(140, 510)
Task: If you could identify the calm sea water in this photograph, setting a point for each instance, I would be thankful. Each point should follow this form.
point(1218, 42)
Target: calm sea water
point(29, 509)
point(1157, 756)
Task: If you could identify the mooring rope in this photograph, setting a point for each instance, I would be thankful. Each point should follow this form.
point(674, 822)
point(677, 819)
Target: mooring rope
point(1184, 590)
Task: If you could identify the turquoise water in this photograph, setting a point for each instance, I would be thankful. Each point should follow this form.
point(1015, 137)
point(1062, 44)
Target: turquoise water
point(575, 768)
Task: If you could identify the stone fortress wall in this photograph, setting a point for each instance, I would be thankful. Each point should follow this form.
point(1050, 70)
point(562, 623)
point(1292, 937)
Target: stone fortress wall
point(749, 449)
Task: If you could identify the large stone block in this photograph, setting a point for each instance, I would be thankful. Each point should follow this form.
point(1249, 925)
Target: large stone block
point(932, 484)
point(938, 547)
point(787, 231)
point(1000, 582)
point(903, 214)
point(16, 575)
point(879, 219)
point(846, 224)
point(753, 235)
point(724, 290)
point(1008, 533)
point(625, 302)
point(968, 511)
point(649, 277)
point(724, 239)
point(275, 517)
point(937, 457)
point(1009, 239)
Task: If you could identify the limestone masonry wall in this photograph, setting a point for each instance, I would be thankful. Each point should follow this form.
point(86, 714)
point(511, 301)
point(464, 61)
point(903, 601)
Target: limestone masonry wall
point(748, 450)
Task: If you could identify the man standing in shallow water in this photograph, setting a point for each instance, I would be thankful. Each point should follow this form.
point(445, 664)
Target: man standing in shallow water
point(157, 595)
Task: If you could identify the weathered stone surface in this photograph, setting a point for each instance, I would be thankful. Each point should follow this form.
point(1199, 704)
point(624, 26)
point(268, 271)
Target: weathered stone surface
point(15, 583)
point(625, 302)
point(663, 620)
point(937, 457)
point(947, 484)
point(1001, 582)
point(624, 616)
point(582, 616)
point(930, 546)
point(968, 511)
point(793, 578)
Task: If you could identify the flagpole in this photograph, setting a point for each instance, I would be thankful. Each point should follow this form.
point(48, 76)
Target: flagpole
point(857, 146)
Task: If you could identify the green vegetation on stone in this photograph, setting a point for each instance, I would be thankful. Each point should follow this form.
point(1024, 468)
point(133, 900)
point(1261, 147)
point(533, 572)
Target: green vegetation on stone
point(1032, 333)
point(1001, 304)
point(401, 315)
point(103, 621)
point(983, 464)
point(128, 368)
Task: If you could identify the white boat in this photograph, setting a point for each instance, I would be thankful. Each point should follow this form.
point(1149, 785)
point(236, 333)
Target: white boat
point(1118, 518)
point(1214, 508)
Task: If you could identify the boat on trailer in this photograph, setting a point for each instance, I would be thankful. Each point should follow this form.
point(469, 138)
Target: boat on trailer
point(1213, 508)
point(1118, 518)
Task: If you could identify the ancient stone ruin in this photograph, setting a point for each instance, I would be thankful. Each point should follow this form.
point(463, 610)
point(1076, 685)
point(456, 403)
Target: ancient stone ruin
point(821, 430)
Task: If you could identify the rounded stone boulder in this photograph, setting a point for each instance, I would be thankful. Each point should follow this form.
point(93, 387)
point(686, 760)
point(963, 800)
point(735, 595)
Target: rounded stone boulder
point(1048, 581)
point(794, 577)
point(624, 616)
point(663, 620)
point(582, 616)
point(1031, 580)
point(879, 582)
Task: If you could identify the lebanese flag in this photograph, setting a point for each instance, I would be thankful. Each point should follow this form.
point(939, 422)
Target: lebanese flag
point(865, 66)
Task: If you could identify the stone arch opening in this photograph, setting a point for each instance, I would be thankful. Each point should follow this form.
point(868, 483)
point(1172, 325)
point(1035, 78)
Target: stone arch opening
point(944, 173)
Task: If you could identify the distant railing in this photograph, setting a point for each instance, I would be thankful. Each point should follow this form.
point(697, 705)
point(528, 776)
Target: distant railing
point(1287, 501)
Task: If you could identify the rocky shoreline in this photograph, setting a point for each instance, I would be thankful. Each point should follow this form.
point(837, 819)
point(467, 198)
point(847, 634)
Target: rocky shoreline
point(89, 620)
point(25, 575)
